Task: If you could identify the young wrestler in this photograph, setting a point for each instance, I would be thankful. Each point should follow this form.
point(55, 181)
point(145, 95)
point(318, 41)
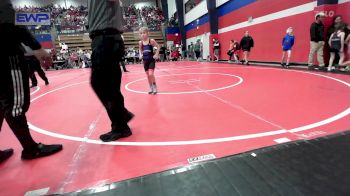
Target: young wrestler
point(287, 44)
point(146, 46)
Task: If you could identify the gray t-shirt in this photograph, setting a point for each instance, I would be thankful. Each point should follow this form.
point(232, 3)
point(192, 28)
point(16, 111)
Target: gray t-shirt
point(7, 13)
point(105, 14)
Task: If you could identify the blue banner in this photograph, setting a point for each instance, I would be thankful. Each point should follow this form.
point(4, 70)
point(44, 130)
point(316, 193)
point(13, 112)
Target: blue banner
point(33, 18)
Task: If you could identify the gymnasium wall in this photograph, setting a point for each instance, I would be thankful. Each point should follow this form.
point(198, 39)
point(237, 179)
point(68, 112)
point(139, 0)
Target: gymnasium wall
point(267, 21)
point(171, 8)
point(45, 40)
point(270, 19)
point(197, 26)
point(269, 24)
point(198, 11)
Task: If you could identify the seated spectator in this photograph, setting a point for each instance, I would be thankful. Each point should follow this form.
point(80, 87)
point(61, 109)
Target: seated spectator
point(175, 55)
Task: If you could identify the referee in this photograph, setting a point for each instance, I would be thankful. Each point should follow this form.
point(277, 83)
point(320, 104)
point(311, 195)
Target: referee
point(14, 84)
point(105, 27)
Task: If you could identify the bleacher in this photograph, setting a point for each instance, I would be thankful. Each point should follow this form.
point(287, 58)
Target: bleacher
point(74, 41)
point(131, 39)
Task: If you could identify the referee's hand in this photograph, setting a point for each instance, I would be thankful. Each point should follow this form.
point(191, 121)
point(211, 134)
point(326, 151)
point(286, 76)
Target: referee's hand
point(44, 57)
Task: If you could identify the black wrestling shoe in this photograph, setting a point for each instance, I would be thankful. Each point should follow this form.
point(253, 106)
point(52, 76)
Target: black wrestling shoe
point(47, 82)
point(41, 150)
point(114, 135)
point(5, 154)
point(322, 68)
point(310, 67)
point(129, 116)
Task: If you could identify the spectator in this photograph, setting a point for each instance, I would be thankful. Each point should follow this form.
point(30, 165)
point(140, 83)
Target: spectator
point(337, 22)
point(175, 55)
point(233, 51)
point(347, 63)
point(216, 45)
point(162, 53)
point(197, 49)
point(184, 52)
point(287, 44)
point(246, 44)
point(317, 41)
point(336, 43)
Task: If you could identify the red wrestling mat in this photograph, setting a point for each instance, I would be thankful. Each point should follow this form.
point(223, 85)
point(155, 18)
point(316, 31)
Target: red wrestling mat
point(201, 109)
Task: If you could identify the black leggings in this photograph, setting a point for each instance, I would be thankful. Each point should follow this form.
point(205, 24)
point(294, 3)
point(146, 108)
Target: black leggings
point(198, 54)
point(15, 98)
point(107, 50)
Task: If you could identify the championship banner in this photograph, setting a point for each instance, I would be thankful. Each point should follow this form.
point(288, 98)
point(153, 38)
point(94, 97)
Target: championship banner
point(42, 18)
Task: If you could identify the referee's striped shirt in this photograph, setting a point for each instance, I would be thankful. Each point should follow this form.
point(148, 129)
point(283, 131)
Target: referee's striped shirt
point(105, 14)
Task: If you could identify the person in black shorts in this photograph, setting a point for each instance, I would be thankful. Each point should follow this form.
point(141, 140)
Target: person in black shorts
point(246, 44)
point(336, 43)
point(146, 46)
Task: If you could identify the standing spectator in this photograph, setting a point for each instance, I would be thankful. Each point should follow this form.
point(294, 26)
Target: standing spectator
point(347, 63)
point(175, 55)
point(122, 62)
point(14, 84)
point(167, 53)
point(287, 44)
point(216, 45)
point(183, 52)
point(190, 51)
point(33, 66)
point(105, 26)
point(337, 22)
point(197, 49)
point(317, 41)
point(162, 53)
point(201, 49)
point(336, 44)
point(233, 51)
point(246, 44)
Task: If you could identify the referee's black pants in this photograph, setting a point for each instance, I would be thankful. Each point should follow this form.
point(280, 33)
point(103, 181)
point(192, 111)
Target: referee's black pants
point(107, 52)
point(15, 97)
point(34, 66)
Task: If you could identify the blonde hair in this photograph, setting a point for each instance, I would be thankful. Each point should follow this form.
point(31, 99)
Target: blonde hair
point(143, 29)
point(290, 30)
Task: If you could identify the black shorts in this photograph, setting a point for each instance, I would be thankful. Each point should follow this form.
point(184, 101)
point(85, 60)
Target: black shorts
point(335, 50)
point(198, 54)
point(246, 49)
point(149, 65)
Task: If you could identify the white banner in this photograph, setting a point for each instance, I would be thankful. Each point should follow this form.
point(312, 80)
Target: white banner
point(42, 18)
